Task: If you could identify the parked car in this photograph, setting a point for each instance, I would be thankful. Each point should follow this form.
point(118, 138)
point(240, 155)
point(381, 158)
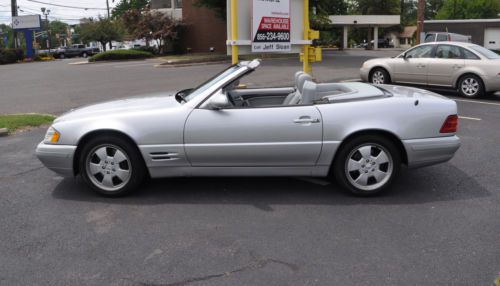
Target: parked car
point(468, 68)
point(355, 132)
point(382, 44)
point(446, 37)
point(75, 51)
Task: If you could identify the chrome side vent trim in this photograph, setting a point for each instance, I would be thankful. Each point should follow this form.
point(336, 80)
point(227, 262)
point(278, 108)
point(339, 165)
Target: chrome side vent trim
point(163, 156)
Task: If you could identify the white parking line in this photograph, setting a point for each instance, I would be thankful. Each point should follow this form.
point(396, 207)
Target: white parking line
point(478, 102)
point(470, 118)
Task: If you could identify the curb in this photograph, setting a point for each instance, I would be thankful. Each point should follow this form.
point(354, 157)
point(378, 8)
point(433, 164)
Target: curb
point(4, 132)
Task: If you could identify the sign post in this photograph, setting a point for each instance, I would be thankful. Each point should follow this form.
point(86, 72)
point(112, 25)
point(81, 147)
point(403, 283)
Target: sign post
point(271, 26)
point(27, 24)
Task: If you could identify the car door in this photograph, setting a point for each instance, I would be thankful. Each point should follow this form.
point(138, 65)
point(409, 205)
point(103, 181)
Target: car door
point(412, 67)
point(252, 137)
point(446, 65)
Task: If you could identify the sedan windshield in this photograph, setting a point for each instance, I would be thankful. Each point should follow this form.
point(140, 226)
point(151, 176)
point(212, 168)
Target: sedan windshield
point(207, 84)
point(485, 52)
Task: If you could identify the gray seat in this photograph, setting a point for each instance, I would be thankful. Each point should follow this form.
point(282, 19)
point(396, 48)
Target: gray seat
point(295, 98)
point(312, 92)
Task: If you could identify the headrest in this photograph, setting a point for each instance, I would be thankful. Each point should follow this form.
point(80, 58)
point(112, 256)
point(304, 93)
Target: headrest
point(303, 78)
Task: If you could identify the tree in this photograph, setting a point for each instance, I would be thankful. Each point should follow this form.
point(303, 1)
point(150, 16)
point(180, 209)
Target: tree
point(468, 9)
point(57, 29)
point(102, 30)
point(126, 5)
point(377, 7)
point(431, 8)
point(219, 6)
point(152, 26)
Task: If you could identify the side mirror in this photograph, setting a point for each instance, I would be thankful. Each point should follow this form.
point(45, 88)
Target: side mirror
point(218, 102)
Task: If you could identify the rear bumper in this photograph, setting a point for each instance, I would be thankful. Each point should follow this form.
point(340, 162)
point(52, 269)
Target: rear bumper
point(492, 83)
point(58, 158)
point(430, 151)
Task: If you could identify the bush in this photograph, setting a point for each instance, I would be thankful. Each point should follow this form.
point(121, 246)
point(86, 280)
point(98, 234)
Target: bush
point(120, 55)
point(10, 56)
point(149, 49)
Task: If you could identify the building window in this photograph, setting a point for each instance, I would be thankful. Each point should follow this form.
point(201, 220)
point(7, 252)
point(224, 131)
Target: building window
point(178, 3)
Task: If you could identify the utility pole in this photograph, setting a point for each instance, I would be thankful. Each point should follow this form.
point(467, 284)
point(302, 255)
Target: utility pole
point(420, 20)
point(107, 6)
point(46, 13)
point(14, 13)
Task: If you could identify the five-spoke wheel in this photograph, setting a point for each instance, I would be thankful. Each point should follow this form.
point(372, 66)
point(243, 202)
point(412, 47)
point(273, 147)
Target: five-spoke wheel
point(367, 164)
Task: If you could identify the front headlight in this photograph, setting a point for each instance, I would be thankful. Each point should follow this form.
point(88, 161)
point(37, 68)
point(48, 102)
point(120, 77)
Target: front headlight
point(52, 136)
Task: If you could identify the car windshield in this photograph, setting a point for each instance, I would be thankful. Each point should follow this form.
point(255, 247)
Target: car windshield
point(207, 84)
point(485, 52)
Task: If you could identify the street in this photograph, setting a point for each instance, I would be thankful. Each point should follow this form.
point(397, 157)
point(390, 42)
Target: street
point(436, 226)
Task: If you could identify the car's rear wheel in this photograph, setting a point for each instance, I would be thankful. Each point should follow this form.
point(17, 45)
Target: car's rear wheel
point(85, 55)
point(111, 165)
point(471, 86)
point(379, 76)
point(366, 165)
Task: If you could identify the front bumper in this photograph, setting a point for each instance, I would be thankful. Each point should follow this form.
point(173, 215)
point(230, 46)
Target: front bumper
point(364, 74)
point(430, 151)
point(58, 158)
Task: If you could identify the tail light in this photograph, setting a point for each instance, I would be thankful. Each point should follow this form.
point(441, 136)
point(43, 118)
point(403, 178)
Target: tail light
point(450, 124)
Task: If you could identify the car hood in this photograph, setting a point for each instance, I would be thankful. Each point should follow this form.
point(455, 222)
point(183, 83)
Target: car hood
point(116, 107)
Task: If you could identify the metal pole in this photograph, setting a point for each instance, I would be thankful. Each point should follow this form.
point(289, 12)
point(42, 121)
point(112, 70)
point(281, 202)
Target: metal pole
point(420, 19)
point(306, 67)
point(107, 6)
point(234, 31)
point(14, 13)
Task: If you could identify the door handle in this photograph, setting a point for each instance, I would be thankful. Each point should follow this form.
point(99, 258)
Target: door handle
point(420, 66)
point(305, 120)
point(457, 67)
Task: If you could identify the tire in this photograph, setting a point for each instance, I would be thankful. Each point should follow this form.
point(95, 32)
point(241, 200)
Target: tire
point(62, 56)
point(369, 172)
point(85, 55)
point(111, 165)
point(379, 76)
point(471, 86)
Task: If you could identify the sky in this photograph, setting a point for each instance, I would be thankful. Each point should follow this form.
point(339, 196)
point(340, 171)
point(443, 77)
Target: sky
point(68, 15)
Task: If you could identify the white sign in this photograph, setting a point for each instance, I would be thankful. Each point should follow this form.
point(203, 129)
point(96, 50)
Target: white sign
point(26, 22)
point(271, 26)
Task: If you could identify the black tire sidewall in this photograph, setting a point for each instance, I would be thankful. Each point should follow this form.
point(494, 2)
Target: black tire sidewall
point(138, 168)
point(345, 150)
point(480, 92)
point(386, 75)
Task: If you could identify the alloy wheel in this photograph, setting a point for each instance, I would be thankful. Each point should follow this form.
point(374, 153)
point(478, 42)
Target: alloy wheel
point(108, 167)
point(369, 167)
point(470, 87)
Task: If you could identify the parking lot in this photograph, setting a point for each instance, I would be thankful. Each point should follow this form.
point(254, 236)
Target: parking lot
point(436, 226)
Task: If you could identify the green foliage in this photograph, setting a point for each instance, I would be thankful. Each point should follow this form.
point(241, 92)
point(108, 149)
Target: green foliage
point(102, 30)
point(17, 121)
point(120, 55)
point(10, 56)
point(376, 7)
point(125, 5)
point(432, 7)
point(149, 49)
point(467, 9)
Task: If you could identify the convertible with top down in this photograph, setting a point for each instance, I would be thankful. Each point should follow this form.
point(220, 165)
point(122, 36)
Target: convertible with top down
point(358, 133)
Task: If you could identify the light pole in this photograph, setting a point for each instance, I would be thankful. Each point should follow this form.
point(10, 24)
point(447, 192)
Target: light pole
point(420, 20)
point(13, 4)
point(46, 12)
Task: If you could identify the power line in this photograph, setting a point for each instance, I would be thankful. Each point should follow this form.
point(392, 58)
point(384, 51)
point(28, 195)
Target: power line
point(66, 6)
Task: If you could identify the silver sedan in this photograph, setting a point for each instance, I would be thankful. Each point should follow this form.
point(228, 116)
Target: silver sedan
point(355, 132)
point(468, 68)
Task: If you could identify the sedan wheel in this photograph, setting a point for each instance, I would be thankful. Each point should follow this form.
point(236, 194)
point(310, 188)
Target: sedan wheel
point(111, 166)
point(471, 86)
point(367, 164)
point(379, 76)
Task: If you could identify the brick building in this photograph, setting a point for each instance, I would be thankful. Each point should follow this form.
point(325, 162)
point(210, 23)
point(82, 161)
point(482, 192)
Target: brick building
point(204, 31)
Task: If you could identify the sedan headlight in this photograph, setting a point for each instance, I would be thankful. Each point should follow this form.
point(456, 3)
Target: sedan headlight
point(52, 136)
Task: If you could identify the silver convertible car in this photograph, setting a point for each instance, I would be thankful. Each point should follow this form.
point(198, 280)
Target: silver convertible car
point(468, 68)
point(358, 133)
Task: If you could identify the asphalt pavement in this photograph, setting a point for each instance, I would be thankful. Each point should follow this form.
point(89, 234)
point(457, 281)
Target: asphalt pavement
point(437, 226)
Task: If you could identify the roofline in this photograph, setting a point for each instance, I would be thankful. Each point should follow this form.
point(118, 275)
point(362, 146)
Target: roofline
point(462, 21)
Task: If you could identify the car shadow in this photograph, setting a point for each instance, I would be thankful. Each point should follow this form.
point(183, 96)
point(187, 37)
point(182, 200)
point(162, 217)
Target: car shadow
point(434, 184)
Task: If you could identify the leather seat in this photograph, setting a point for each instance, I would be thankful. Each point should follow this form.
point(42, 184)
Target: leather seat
point(295, 97)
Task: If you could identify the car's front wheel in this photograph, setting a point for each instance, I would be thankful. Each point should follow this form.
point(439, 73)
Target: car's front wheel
point(367, 165)
point(379, 76)
point(111, 165)
point(85, 55)
point(471, 86)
